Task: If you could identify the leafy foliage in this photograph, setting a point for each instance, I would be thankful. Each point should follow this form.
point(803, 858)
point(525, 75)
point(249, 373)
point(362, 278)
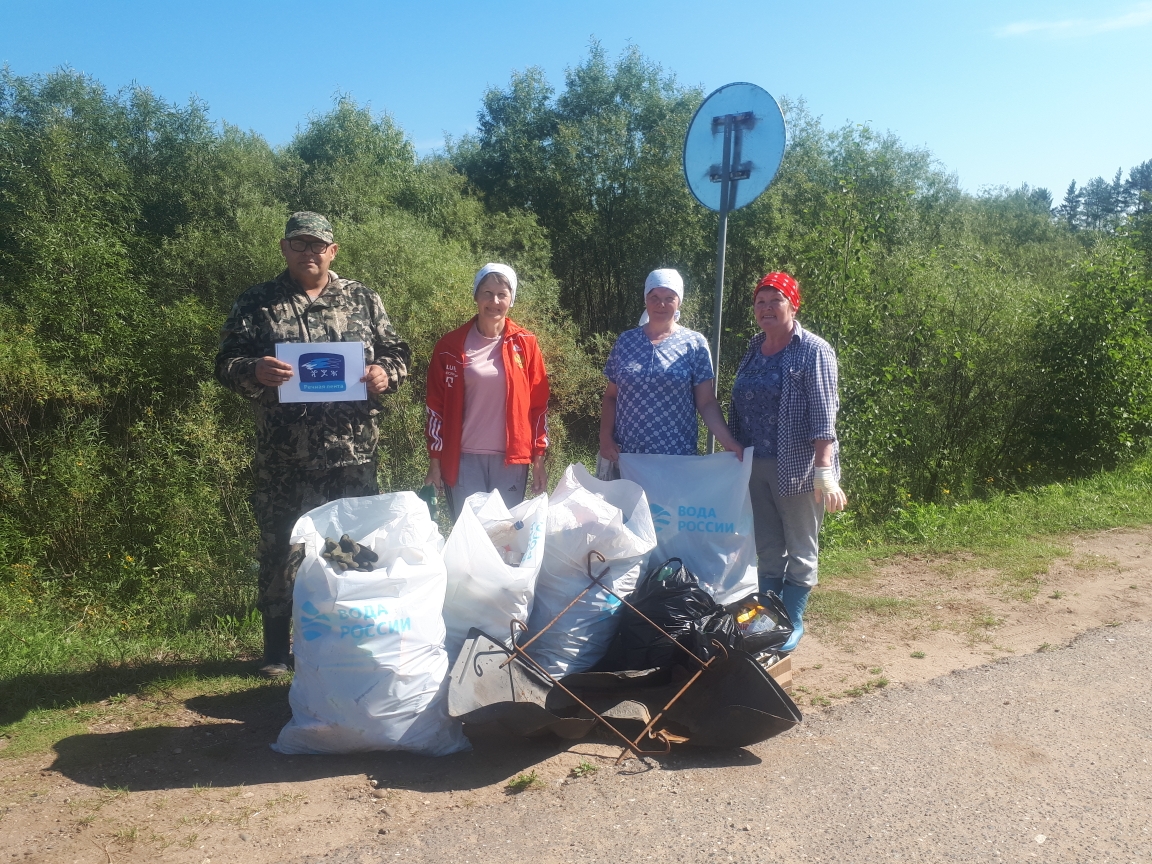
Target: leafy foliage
point(599, 167)
point(986, 342)
point(129, 226)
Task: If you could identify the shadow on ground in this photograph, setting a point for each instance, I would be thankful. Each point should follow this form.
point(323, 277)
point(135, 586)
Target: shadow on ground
point(236, 752)
point(23, 693)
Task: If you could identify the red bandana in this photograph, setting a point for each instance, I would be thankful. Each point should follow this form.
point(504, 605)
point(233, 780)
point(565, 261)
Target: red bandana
point(783, 283)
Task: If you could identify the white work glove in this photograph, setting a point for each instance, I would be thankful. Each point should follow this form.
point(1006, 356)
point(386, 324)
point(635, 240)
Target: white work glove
point(828, 490)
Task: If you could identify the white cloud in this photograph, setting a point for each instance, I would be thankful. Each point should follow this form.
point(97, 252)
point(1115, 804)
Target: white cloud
point(1139, 16)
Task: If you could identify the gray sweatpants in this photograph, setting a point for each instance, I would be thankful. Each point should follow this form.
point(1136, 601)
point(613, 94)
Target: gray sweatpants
point(483, 473)
point(787, 528)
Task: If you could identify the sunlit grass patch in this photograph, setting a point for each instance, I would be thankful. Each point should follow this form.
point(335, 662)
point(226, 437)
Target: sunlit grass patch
point(1022, 565)
point(39, 730)
point(153, 704)
point(848, 564)
point(523, 782)
point(866, 687)
point(828, 607)
point(584, 769)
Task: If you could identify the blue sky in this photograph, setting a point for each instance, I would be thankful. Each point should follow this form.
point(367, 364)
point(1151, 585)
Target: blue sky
point(1001, 92)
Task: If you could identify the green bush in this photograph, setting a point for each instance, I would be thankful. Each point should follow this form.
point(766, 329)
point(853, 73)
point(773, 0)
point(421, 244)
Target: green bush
point(985, 345)
point(1094, 366)
point(127, 229)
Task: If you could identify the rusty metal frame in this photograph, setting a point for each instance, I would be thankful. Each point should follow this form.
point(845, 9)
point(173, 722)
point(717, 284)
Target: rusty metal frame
point(630, 745)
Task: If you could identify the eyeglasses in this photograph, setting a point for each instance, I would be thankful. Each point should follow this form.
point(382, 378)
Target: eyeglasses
point(316, 247)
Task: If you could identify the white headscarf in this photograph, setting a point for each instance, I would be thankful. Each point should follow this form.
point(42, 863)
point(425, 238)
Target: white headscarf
point(665, 277)
point(504, 270)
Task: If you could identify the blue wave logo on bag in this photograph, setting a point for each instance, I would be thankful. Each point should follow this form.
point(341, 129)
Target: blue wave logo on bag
point(315, 626)
point(322, 373)
point(661, 518)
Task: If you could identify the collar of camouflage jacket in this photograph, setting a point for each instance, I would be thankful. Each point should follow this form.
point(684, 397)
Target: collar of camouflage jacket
point(292, 287)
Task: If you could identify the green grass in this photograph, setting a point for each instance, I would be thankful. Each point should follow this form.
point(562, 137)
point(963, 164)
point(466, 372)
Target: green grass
point(66, 660)
point(45, 631)
point(523, 782)
point(585, 769)
point(866, 687)
point(34, 719)
point(1011, 534)
point(1107, 500)
point(832, 606)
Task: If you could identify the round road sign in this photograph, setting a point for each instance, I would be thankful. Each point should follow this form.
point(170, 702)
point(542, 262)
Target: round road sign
point(750, 120)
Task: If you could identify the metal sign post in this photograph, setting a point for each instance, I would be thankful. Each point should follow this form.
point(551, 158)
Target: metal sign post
point(732, 150)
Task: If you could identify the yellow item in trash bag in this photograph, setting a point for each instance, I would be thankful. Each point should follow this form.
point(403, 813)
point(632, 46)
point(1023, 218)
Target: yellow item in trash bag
point(748, 613)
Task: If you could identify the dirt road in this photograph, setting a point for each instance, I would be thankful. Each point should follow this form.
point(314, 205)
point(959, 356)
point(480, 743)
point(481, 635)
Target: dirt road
point(928, 766)
point(1040, 758)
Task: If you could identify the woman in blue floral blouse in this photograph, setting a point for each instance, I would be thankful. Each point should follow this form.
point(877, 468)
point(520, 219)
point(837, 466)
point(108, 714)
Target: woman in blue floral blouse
point(659, 376)
point(784, 403)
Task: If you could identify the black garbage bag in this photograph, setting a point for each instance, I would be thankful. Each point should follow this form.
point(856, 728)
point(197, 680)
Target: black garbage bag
point(671, 597)
point(717, 629)
point(761, 621)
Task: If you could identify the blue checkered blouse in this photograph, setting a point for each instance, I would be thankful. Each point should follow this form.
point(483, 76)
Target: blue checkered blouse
point(655, 401)
point(809, 400)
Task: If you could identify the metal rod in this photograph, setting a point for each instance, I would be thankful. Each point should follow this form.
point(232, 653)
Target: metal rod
point(682, 691)
point(519, 654)
point(575, 600)
point(721, 245)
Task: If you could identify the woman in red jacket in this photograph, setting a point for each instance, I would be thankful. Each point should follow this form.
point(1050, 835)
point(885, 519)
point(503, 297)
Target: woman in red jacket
point(487, 401)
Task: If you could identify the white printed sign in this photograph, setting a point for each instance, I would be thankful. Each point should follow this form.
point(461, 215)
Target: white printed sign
point(323, 371)
point(702, 513)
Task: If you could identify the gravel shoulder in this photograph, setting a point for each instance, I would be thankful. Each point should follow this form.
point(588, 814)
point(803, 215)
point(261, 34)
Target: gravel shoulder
point(1044, 758)
point(973, 752)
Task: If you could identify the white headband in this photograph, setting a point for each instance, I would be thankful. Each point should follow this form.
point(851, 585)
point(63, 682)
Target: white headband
point(504, 270)
point(665, 277)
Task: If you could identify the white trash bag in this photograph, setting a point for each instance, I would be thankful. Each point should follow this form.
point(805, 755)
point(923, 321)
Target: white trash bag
point(493, 558)
point(703, 515)
point(371, 672)
point(587, 514)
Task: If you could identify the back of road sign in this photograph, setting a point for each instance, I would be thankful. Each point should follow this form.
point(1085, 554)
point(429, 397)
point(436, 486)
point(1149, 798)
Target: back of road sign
point(756, 152)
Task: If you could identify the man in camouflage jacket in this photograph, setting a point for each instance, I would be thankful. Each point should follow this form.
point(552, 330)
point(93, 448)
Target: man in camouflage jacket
point(307, 453)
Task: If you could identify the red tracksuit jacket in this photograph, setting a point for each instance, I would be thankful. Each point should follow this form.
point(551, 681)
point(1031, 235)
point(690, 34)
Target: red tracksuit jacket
point(527, 402)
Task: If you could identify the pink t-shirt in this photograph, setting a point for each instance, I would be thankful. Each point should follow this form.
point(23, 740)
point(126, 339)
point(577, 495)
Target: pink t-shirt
point(485, 395)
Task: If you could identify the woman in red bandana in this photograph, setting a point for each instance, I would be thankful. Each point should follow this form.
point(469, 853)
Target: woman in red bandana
point(784, 404)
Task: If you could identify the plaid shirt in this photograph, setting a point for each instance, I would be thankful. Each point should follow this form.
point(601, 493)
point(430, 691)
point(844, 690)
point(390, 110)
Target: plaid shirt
point(809, 401)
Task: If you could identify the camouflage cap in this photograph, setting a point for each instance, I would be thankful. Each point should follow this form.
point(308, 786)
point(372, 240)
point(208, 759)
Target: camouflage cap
point(307, 222)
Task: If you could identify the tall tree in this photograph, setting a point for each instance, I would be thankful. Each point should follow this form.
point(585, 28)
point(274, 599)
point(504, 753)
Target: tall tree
point(1070, 209)
point(600, 167)
point(1139, 188)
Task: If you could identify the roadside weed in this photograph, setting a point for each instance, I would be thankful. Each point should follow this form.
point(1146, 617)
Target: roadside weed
point(127, 835)
point(524, 781)
point(866, 687)
point(584, 769)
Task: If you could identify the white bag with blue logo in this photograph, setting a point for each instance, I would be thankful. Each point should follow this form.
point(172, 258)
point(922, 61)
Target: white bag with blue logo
point(493, 558)
point(703, 515)
point(371, 672)
point(587, 514)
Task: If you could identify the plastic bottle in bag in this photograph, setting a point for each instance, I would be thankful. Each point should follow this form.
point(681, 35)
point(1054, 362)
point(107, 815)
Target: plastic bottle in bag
point(503, 535)
point(756, 619)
